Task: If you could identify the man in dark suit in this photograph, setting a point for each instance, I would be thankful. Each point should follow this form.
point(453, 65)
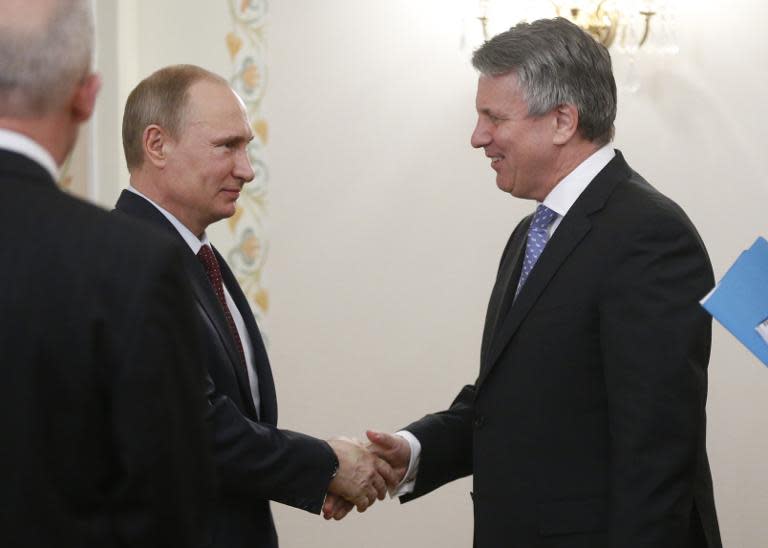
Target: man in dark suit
point(101, 417)
point(185, 134)
point(586, 424)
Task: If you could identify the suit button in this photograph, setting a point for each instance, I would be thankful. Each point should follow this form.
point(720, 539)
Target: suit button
point(479, 421)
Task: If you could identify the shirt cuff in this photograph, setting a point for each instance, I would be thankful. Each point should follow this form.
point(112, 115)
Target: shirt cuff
point(409, 480)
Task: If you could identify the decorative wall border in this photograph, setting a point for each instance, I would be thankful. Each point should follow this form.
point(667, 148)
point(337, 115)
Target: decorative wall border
point(247, 46)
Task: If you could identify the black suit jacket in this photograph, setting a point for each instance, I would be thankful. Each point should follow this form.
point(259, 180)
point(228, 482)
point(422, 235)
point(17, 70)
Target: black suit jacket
point(586, 424)
point(256, 461)
point(101, 416)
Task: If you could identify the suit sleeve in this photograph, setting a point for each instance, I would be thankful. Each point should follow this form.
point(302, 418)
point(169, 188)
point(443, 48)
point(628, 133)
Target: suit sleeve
point(446, 444)
point(655, 343)
point(259, 460)
point(165, 478)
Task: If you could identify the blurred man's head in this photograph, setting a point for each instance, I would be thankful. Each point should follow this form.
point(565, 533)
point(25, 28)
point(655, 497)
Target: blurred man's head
point(46, 87)
point(185, 136)
point(546, 98)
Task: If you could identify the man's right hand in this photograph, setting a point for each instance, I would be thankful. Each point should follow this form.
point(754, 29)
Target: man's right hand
point(362, 477)
point(393, 449)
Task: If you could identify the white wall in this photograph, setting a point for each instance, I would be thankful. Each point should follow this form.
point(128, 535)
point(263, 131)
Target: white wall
point(387, 227)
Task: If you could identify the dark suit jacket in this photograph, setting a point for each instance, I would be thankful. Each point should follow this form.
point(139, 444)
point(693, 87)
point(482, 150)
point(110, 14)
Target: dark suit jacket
point(586, 425)
point(101, 416)
point(256, 461)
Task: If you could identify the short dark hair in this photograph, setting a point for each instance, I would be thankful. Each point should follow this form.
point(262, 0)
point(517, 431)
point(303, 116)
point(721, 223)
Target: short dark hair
point(161, 98)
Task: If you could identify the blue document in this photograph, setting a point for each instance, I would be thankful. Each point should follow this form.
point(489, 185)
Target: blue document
point(740, 301)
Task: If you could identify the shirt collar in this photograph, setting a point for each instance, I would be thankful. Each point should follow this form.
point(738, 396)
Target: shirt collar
point(21, 144)
point(193, 241)
point(566, 192)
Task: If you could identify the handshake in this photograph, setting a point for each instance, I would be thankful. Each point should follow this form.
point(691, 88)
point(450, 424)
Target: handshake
point(366, 472)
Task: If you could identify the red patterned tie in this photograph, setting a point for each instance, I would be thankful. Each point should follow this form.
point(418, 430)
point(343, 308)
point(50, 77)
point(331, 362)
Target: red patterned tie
point(211, 265)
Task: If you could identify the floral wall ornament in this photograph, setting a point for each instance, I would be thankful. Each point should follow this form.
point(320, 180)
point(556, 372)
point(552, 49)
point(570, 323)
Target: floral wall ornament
point(65, 177)
point(247, 45)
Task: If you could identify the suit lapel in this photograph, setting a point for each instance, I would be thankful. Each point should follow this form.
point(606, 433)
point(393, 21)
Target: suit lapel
point(572, 230)
point(267, 396)
point(136, 206)
point(211, 307)
point(563, 242)
point(506, 283)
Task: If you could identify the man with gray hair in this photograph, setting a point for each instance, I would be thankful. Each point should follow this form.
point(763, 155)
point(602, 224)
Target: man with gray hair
point(103, 442)
point(585, 427)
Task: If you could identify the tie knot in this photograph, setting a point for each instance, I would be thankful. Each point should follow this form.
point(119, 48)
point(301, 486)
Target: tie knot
point(206, 256)
point(543, 217)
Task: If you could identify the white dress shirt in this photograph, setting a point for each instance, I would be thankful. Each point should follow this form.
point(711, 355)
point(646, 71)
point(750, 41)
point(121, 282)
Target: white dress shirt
point(21, 144)
point(195, 244)
point(560, 199)
point(566, 192)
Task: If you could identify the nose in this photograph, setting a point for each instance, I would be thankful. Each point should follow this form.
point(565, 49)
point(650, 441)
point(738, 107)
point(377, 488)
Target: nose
point(243, 169)
point(481, 136)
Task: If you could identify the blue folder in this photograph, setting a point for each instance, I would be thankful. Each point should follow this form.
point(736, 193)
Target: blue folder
point(740, 301)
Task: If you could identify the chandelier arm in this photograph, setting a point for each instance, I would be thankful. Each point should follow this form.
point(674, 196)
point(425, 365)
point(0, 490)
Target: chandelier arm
point(647, 30)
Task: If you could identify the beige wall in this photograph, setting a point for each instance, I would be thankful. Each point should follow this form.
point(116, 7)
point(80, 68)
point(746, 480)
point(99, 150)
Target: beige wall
point(386, 227)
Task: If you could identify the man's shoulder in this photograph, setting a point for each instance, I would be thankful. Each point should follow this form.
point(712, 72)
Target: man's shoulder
point(134, 243)
point(57, 244)
point(635, 199)
point(114, 230)
point(93, 237)
point(639, 211)
point(619, 189)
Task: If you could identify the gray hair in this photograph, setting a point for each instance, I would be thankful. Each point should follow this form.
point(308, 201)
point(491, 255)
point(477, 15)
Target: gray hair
point(556, 63)
point(41, 61)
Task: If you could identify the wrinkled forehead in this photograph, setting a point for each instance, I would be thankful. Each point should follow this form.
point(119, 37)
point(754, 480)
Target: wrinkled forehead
point(498, 90)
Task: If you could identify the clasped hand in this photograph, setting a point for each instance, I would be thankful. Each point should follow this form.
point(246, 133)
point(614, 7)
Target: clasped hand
point(366, 472)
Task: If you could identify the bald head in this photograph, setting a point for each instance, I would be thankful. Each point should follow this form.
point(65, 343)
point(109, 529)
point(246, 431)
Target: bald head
point(45, 51)
point(27, 15)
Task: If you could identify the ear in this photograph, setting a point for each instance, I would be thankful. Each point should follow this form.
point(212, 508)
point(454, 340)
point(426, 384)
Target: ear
point(566, 123)
point(156, 144)
point(84, 98)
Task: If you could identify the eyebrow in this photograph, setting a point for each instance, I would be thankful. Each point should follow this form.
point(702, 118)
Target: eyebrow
point(489, 112)
point(233, 139)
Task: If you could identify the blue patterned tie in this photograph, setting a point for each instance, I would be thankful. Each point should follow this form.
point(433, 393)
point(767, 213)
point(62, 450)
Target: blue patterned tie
point(537, 239)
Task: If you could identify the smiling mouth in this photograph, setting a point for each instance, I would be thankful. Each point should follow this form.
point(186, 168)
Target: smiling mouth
point(495, 161)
